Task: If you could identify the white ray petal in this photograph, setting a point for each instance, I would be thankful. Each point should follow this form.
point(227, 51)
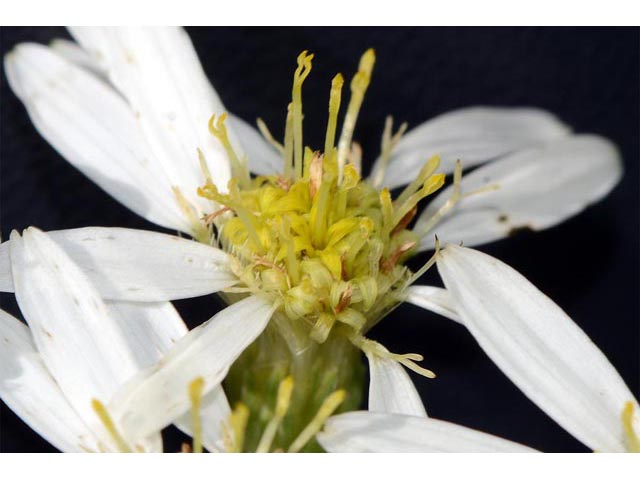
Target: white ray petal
point(158, 71)
point(76, 55)
point(536, 189)
point(263, 158)
point(83, 348)
point(391, 389)
point(159, 396)
point(27, 387)
point(136, 265)
point(150, 328)
point(90, 125)
point(474, 135)
point(435, 299)
point(538, 347)
point(214, 413)
point(368, 432)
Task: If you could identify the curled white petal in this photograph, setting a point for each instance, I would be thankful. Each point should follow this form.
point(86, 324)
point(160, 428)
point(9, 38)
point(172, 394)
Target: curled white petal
point(158, 72)
point(435, 299)
point(534, 189)
point(474, 135)
point(538, 347)
point(391, 389)
point(158, 396)
point(90, 125)
point(136, 265)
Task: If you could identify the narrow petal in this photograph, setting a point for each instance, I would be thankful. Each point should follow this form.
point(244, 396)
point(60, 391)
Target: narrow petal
point(149, 328)
point(136, 265)
point(534, 189)
point(159, 396)
point(75, 54)
point(538, 347)
point(158, 72)
point(214, 413)
point(28, 388)
point(90, 125)
point(367, 432)
point(435, 299)
point(83, 348)
point(474, 135)
point(263, 158)
point(391, 390)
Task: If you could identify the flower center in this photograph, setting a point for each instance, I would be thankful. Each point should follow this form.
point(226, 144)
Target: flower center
point(326, 245)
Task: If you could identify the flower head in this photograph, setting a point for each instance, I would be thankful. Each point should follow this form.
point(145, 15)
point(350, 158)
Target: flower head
point(309, 255)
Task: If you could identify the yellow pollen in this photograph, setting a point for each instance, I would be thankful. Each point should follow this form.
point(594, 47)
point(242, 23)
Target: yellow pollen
point(109, 426)
point(195, 396)
point(330, 404)
point(632, 438)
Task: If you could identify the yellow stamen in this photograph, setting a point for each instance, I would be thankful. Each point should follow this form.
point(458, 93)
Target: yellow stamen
point(195, 396)
point(359, 85)
point(283, 401)
point(264, 130)
point(238, 167)
point(204, 167)
point(632, 438)
point(427, 170)
point(288, 143)
point(451, 202)
point(107, 421)
point(426, 266)
point(431, 185)
point(406, 359)
point(199, 232)
point(334, 108)
point(330, 404)
point(389, 142)
point(301, 73)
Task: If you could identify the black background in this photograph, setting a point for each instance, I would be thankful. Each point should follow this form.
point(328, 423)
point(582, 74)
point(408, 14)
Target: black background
point(589, 265)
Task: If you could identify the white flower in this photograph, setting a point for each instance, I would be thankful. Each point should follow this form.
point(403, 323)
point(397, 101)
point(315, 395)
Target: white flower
point(133, 110)
point(129, 107)
point(538, 347)
point(59, 372)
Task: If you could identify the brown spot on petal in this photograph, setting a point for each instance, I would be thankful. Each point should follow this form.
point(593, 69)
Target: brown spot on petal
point(518, 230)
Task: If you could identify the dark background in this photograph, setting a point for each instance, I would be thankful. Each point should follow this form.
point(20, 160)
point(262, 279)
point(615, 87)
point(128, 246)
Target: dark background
point(589, 264)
